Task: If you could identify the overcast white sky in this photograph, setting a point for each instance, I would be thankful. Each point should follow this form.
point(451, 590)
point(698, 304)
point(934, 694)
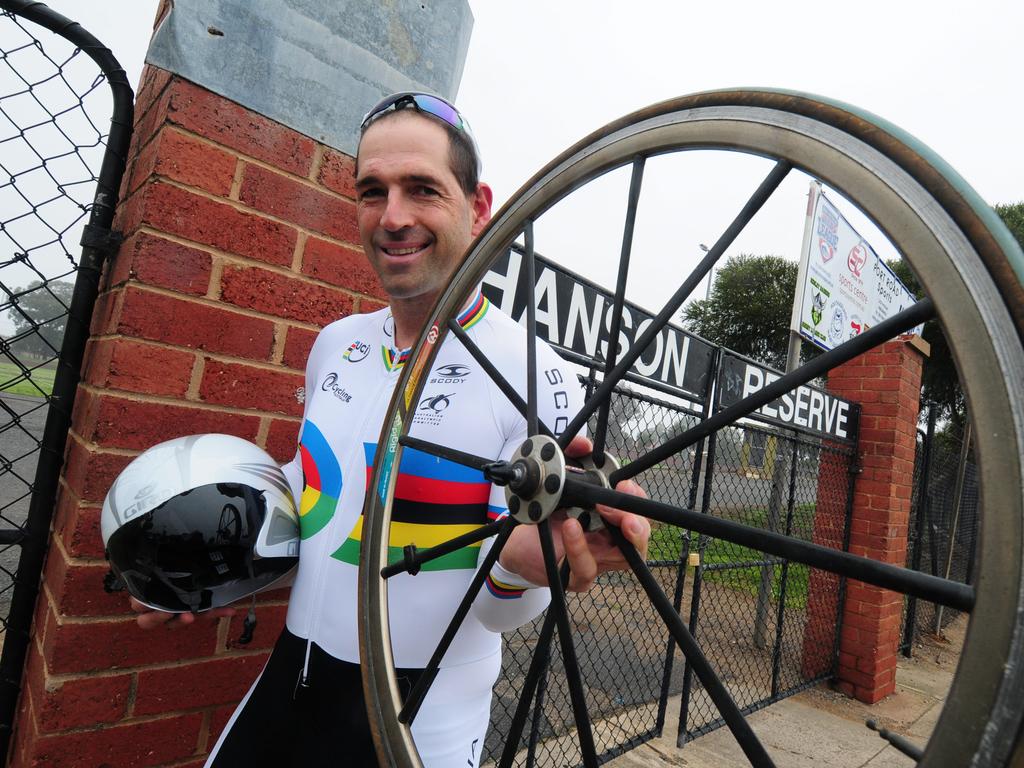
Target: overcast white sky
point(541, 74)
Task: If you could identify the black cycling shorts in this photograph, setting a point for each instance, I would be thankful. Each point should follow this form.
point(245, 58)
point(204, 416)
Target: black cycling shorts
point(283, 724)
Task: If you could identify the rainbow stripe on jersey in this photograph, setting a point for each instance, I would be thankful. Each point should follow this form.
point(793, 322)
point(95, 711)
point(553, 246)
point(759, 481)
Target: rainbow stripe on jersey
point(435, 501)
point(321, 479)
point(501, 590)
point(394, 359)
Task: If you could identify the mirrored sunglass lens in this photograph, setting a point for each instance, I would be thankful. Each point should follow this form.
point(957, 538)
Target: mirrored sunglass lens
point(439, 109)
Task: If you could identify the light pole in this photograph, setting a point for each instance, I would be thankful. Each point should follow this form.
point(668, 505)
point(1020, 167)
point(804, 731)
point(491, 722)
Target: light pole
point(711, 274)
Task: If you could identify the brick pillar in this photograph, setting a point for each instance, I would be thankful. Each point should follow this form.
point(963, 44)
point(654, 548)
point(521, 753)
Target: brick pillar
point(822, 586)
point(240, 243)
point(887, 383)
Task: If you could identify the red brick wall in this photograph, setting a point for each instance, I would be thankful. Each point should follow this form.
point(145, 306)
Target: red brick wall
point(240, 242)
point(887, 383)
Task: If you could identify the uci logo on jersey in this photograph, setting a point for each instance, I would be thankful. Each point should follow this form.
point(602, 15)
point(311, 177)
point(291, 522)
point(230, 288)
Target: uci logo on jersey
point(356, 351)
point(453, 373)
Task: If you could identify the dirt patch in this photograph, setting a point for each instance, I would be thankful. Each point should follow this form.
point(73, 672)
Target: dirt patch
point(934, 661)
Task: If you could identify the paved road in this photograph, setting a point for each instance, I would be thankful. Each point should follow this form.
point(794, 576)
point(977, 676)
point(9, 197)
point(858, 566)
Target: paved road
point(21, 427)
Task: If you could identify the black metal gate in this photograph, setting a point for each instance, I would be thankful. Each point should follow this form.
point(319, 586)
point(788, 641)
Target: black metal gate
point(944, 521)
point(749, 612)
point(52, 199)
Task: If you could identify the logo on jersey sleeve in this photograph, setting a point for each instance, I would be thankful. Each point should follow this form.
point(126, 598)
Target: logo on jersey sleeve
point(321, 477)
point(356, 352)
point(330, 384)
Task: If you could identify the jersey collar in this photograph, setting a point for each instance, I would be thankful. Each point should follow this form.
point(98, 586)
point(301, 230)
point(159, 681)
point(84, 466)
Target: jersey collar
point(394, 359)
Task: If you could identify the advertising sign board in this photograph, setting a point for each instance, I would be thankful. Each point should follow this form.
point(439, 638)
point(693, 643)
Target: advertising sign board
point(844, 288)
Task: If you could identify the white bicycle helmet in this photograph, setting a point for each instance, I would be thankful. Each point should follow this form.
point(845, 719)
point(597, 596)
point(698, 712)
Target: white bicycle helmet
point(200, 522)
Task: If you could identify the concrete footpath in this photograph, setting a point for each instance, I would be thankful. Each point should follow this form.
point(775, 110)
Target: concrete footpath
point(820, 727)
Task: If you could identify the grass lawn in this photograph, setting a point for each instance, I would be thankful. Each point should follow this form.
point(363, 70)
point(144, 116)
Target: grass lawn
point(13, 381)
point(745, 578)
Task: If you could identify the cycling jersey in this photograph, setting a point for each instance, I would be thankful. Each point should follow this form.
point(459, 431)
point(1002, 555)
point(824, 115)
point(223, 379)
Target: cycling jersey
point(350, 376)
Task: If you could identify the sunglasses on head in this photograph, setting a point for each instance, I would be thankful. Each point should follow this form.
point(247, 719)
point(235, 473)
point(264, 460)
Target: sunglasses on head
point(422, 102)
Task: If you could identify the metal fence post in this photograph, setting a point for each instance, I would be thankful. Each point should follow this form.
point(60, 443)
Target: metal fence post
point(698, 572)
point(684, 553)
point(958, 493)
point(910, 626)
point(780, 616)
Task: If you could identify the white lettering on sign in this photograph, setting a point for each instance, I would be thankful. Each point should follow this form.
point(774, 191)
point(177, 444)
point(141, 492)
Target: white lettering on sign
point(589, 326)
point(575, 315)
point(803, 407)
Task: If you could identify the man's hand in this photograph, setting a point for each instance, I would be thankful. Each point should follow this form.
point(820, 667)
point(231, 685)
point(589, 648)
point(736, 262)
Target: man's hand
point(147, 618)
point(589, 554)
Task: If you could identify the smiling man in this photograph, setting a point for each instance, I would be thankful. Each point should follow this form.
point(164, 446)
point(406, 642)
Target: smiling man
point(419, 205)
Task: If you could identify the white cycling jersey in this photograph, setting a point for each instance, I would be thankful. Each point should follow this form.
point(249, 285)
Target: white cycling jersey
point(350, 376)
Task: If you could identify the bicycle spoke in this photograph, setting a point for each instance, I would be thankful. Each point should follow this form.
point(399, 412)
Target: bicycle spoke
point(569, 661)
point(500, 381)
point(414, 559)
point(530, 262)
point(419, 691)
point(932, 588)
point(914, 315)
point(727, 708)
point(752, 206)
point(620, 298)
point(444, 452)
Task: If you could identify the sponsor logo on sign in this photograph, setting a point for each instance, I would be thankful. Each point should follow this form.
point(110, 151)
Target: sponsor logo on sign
point(857, 259)
point(331, 385)
point(826, 250)
point(837, 328)
point(452, 373)
point(817, 307)
point(856, 326)
point(356, 351)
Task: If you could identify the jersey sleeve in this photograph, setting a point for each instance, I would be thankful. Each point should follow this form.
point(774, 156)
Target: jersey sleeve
point(506, 600)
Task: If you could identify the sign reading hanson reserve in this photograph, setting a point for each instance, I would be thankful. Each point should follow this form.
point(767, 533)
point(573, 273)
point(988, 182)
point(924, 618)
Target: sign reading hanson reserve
point(807, 408)
point(574, 315)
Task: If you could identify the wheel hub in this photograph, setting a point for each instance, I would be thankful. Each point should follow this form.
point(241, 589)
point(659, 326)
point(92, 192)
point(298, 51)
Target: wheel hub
point(535, 478)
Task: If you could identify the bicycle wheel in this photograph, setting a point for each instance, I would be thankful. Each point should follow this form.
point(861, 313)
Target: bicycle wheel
point(971, 270)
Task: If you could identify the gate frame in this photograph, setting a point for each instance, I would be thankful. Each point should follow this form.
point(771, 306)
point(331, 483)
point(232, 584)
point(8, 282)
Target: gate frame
point(98, 243)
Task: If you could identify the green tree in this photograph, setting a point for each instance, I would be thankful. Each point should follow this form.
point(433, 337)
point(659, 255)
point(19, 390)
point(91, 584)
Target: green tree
point(749, 308)
point(939, 382)
point(39, 313)
point(1012, 215)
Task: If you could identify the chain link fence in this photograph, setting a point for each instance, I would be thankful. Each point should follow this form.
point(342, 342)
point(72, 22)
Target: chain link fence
point(754, 614)
point(50, 153)
point(943, 526)
point(59, 176)
point(748, 611)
